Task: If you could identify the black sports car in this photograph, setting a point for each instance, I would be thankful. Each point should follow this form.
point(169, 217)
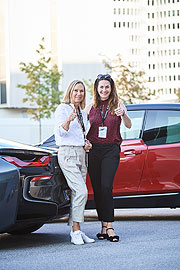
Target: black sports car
point(33, 189)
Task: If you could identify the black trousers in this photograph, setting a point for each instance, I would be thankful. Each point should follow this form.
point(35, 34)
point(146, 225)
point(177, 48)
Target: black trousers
point(102, 165)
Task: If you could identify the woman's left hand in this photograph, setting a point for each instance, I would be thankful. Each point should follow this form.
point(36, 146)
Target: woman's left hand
point(119, 111)
point(87, 145)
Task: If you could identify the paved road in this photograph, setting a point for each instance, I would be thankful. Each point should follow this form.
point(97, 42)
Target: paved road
point(148, 240)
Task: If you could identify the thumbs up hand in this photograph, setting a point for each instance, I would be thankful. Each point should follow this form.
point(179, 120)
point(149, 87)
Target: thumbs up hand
point(72, 116)
point(119, 111)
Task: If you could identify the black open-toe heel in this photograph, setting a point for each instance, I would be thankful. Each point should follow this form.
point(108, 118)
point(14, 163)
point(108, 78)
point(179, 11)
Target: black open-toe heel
point(102, 236)
point(114, 238)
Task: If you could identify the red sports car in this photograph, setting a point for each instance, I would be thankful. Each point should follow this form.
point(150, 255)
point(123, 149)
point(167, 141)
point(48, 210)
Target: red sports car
point(149, 170)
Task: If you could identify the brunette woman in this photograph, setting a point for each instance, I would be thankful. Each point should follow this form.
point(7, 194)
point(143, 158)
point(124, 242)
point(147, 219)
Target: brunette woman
point(105, 116)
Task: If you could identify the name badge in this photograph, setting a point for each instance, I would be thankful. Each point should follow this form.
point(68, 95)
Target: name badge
point(102, 132)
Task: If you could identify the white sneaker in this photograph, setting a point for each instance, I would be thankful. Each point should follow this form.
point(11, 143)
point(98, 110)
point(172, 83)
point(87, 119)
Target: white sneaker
point(76, 238)
point(86, 238)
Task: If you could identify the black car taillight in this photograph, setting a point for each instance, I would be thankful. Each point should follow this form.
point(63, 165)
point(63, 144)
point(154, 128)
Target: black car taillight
point(40, 162)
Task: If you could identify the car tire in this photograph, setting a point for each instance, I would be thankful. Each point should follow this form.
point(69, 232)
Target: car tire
point(26, 229)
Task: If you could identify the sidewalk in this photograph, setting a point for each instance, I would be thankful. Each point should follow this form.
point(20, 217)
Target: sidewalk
point(139, 214)
point(134, 214)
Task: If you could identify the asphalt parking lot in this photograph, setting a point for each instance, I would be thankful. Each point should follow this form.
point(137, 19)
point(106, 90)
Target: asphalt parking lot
point(149, 239)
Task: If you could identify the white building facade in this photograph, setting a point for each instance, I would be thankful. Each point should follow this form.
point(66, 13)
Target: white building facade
point(145, 33)
point(151, 32)
point(23, 24)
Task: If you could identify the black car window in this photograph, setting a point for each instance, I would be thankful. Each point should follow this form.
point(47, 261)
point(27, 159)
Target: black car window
point(162, 127)
point(135, 131)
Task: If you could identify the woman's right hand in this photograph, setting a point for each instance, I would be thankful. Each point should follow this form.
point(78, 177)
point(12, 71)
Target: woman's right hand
point(72, 116)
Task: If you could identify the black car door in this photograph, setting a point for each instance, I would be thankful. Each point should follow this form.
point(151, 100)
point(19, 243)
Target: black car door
point(9, 186)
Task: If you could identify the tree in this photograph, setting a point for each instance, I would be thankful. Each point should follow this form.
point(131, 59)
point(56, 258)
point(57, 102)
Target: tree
point(42, 90)
point(131, 84)
point(178, 94)
point(89, 86)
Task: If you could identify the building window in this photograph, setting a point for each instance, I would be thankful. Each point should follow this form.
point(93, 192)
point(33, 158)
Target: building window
point(3, 97)
point(114, 24)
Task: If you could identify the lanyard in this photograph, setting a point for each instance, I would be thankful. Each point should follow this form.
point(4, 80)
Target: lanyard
point(80, 118)
point(103, 117)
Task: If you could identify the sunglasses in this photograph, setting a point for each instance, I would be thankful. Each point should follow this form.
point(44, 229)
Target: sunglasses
point(101, 76)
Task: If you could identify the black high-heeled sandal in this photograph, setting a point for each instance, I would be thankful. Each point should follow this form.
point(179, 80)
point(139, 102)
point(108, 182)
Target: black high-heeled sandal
point(102, 236)
point(114, 238)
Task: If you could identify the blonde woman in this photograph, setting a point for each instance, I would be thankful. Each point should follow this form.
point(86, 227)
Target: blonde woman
point(70, 130)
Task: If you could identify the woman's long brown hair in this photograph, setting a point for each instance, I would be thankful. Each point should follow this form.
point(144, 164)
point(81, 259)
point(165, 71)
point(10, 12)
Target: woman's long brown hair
point(113, 97)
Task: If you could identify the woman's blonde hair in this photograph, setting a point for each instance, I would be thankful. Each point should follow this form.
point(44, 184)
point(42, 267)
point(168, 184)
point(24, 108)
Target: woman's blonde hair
point(113, 99)
point(67, 96)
